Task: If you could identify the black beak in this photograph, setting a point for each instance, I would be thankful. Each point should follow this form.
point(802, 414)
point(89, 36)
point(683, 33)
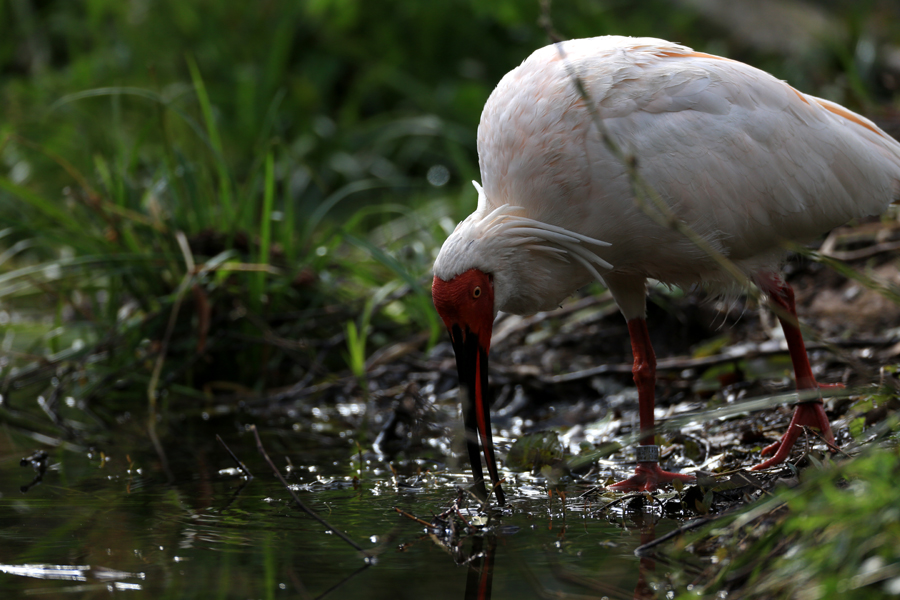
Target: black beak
point(472, 366)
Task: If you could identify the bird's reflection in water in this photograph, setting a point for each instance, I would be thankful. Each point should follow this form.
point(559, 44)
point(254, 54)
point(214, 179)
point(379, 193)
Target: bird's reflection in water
point(643, 591)
point(481, 567)
point(480, 561)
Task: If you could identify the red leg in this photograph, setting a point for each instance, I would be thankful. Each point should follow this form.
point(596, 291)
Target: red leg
point(648, 475)
point(811, 413)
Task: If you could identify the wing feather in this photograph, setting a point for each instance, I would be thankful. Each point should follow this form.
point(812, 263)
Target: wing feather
point(740, 156)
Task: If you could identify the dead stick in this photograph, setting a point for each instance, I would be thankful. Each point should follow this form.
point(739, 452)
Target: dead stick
point(306, 509)
point(831, 445)
point(237, 461)
point(631, 497)
point(642, 551)
point(414, 518)
point(344, 580)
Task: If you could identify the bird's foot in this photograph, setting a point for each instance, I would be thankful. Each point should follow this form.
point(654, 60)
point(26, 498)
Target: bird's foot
point(647, 477)
point(808, 414)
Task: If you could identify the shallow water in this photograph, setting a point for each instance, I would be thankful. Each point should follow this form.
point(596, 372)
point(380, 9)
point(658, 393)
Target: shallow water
point(99, 524)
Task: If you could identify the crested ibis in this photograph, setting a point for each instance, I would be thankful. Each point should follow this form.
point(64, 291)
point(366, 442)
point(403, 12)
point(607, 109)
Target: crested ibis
point(740, 158)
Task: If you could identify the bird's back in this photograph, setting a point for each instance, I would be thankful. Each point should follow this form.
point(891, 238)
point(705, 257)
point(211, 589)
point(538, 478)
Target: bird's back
point(743, 158)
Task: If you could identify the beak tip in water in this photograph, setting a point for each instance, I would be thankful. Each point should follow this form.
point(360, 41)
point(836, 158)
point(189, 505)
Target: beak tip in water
point(472, 366)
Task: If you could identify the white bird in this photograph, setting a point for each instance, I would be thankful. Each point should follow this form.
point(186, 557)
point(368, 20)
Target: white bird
point(739, 157)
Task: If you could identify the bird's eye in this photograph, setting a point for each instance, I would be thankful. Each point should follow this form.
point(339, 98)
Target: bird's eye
point(476, 293)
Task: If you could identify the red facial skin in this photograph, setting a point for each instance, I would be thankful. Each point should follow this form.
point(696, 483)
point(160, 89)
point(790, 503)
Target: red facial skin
point(466, 305)
point(467, 300)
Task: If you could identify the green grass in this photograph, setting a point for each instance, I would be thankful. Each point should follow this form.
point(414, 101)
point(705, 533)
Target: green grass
point(835, 535)
point(186, 259)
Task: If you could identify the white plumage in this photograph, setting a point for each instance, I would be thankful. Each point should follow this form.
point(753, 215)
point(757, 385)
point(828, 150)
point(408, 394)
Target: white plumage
point(739, 157)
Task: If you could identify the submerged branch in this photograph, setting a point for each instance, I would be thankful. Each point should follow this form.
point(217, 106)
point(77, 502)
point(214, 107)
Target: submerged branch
point(303, 507)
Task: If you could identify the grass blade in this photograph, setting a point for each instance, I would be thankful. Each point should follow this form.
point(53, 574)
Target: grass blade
point(265, 228)
point(225, 195)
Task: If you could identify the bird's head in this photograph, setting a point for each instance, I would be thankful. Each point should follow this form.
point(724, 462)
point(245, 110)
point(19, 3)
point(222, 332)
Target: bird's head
point(466, 305)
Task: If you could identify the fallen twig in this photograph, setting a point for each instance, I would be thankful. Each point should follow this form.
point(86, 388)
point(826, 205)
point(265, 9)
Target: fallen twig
point(303, 507)
point(513, 324)
point(632, 497)
point(414, 518)
point(831, 445)
point(643, 551)
point(237, 461)
point(678, 363)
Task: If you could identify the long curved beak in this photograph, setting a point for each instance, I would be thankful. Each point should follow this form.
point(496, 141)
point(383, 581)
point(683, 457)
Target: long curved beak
point(472, 366)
